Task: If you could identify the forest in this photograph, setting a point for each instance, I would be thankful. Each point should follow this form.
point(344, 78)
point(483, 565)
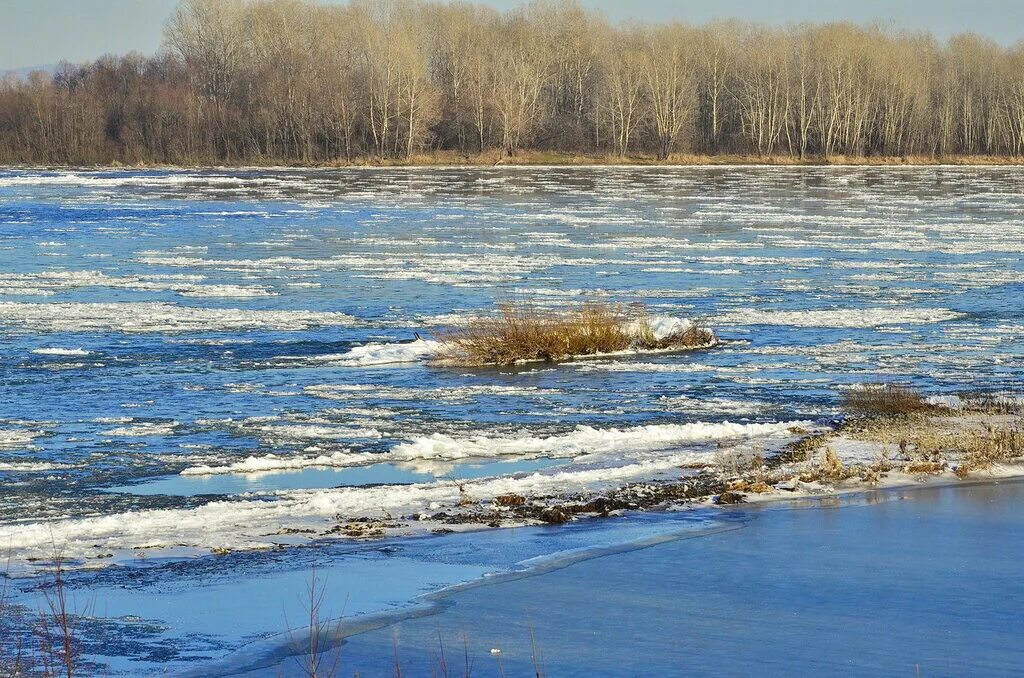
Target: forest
point(295, 82)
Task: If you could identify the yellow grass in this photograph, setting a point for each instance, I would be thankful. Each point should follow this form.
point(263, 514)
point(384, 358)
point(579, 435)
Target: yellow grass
point(522, 332)
point(983, 449)
point(561, 158)
point(885, 400)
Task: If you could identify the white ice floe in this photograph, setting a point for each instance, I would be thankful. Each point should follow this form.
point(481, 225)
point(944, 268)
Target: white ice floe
point(660, 327)
point(249, 523)
point(61, 351)
point(312, 432)
point(453, 394)
point(17, 438)
point(143, 430)
point(121, 179)
point(277, 462)
point(144, 317)
point(584, 440)
point(386, 354)
point(47, 283)
point(28, 467)
point(843, 318)
point(457, 269)
point(438, 447)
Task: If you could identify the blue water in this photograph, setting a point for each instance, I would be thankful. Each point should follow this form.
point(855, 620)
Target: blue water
point(400, 249)
point(922, 583)
point(157, 321)
point(311, 478)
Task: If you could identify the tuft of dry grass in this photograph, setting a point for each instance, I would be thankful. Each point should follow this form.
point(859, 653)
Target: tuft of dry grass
point(535, 157)
point(982, 449)
point(49, 643)
point(885, 400)
point(832, 467)
point(994, 403)
point(522, 332)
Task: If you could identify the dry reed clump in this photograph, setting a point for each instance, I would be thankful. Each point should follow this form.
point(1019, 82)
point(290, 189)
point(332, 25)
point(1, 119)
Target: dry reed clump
point(994, 403)
point(982, 449)
point(832, 467)
point(521, 332)
point(885, 400)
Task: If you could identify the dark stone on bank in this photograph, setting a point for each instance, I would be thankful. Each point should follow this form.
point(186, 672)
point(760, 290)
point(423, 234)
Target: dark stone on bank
point(555, 516)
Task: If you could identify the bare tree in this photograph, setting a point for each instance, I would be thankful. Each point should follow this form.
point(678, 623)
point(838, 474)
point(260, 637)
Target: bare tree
point(254, 81)
point(668, 67)
point(521, 69)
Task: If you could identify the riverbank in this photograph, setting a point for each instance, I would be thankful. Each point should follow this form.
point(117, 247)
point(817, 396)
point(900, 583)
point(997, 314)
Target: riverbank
point(527, 158)
point(934, 445)
point(781, 591)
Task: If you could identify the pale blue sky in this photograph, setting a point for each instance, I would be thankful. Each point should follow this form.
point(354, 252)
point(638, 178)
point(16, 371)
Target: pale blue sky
point(37, 32)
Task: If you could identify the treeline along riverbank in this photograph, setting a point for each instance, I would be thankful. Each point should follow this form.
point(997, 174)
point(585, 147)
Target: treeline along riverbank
point(292, 82)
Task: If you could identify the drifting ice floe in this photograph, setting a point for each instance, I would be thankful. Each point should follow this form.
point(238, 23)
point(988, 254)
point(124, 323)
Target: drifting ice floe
point(157, 317)
point(15, 438)
point(454, 394)
point(583, 441)
point(61, 351)
point(48, 283)
point(385, 354)
point(274, 462)
point(853, 318)
point(251, 523)
point(143, 429)
point(27, 467)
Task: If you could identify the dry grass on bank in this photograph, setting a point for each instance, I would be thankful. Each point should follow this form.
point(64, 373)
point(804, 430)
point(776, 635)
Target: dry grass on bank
point(47, 643)
point(522, 332)
point(559, 158)
point(528, 158)
point(885, 400)
point(982, 449)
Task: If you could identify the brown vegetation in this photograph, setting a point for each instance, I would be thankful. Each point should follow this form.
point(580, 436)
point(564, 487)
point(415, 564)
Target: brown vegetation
point(294, 82)
point(982, 449)
point(885, 400)
point(522, 332)
point(48, 644)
